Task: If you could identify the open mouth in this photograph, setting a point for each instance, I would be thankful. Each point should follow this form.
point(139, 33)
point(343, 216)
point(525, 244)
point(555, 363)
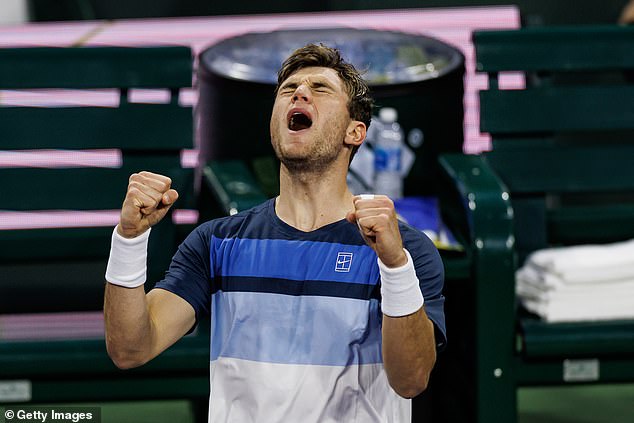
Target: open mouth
point(298, 121)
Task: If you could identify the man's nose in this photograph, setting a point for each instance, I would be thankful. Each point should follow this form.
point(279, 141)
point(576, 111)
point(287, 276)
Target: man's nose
point(302, 93)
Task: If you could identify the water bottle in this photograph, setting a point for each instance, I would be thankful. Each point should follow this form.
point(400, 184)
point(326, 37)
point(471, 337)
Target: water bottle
point(388, 155)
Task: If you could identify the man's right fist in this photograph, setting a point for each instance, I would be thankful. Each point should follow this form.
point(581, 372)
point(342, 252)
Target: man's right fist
point(148, 199)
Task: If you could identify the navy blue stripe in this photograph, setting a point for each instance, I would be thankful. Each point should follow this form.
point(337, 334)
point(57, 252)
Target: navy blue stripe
point(296, 288)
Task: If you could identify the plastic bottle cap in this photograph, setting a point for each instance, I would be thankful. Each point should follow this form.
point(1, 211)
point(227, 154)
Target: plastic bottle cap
point(388, 114)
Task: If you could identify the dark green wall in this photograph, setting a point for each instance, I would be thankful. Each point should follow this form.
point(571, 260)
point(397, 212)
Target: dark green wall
point(534, 12)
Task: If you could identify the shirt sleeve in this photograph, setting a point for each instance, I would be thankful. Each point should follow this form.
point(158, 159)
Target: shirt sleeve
point(431, 276)
point(189, 274)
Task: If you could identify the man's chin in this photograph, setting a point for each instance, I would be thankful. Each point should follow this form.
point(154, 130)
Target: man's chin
point(295, 162)
point(295, 152)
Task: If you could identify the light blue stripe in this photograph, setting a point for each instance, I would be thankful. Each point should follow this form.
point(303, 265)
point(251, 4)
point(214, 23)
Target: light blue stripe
point(294, 260)
point(287, 329)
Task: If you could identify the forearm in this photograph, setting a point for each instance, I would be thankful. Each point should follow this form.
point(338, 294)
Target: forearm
point(128, 326)
point(408, 344)
point(127, 321)
point(140, 326)
point(409, 352)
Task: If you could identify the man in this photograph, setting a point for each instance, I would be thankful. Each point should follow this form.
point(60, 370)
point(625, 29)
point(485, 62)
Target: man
point(307, 324)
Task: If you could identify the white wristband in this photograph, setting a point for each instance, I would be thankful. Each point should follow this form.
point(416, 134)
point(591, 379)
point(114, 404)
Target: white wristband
point(127, 265)
point(400, 290)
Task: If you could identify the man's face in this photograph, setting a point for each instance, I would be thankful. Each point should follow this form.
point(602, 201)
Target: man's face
point(310, 118)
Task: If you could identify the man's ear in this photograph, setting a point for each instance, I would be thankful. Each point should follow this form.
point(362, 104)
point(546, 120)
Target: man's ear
point(355, 133)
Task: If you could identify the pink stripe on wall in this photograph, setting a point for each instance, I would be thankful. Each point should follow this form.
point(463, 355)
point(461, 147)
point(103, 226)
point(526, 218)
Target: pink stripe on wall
point(61, 158)
point(42, 219)
point(46, 34)
point(49, 326)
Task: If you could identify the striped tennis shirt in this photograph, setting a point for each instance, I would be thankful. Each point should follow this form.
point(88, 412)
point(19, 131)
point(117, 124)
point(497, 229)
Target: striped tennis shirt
point(296, 318)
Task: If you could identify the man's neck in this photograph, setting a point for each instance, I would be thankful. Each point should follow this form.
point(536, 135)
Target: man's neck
point(309, 201)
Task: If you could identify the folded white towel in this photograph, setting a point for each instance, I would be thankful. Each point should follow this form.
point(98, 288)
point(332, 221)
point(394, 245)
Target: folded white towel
point(588, 282)
point(530, 275)
point(557, 311)
point(586, 263)
point(608, 293)
point(578, 304)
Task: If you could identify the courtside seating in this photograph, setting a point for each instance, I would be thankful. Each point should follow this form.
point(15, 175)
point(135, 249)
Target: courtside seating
point(560, 173)
point(60, 271)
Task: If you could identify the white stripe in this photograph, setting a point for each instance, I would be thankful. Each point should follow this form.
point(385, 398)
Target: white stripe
point(244, 391)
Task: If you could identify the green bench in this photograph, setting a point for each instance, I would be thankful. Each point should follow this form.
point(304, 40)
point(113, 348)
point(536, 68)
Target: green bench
point(60, 270)
point(560, 172)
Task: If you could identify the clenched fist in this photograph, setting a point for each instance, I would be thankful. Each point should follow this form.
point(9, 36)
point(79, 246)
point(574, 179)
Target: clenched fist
point(376, 218)
point(148, 199)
